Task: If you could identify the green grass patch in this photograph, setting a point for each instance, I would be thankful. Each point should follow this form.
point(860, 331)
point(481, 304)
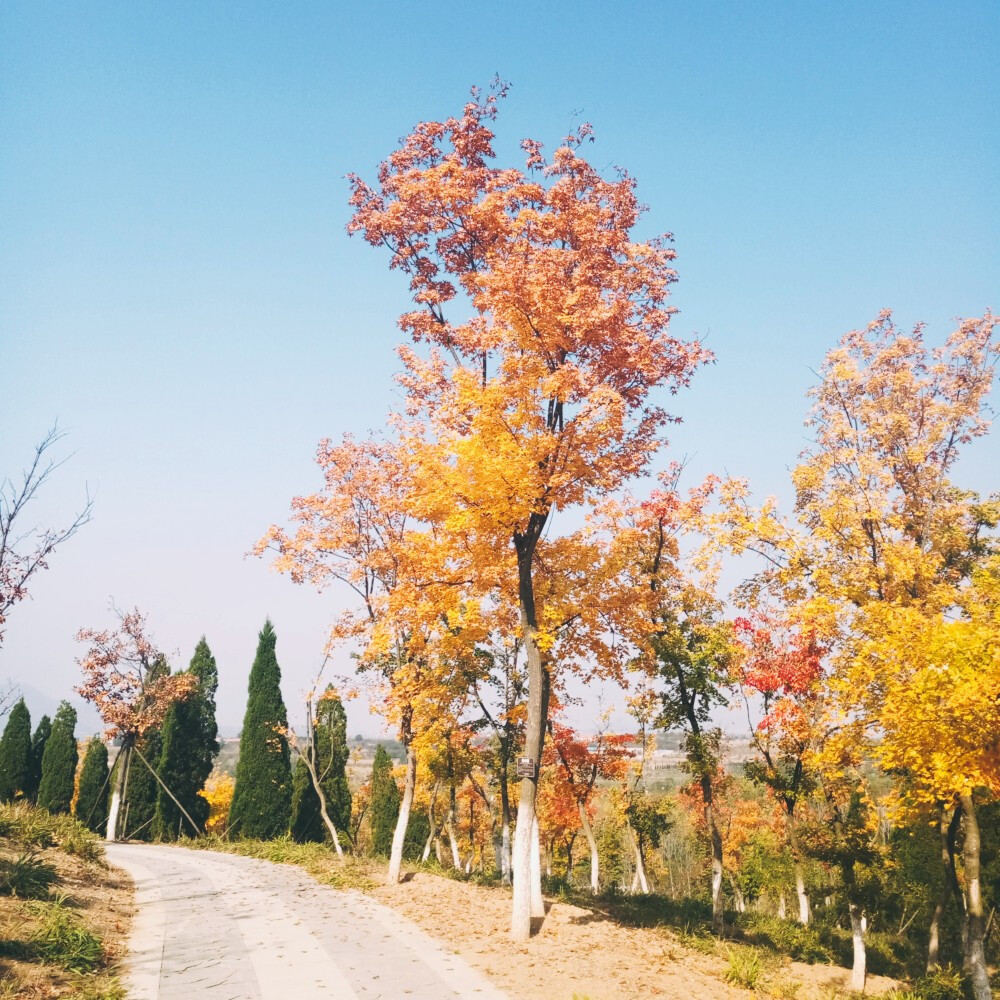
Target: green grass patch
point(27, 876)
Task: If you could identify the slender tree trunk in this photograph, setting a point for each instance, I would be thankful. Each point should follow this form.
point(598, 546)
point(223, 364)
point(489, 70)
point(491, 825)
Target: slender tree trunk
point(525, 837)
point(456, 859)
point(431, 822)
point(639, 881)
point(858, 927)
point(505, 865)
point(741, 902)
point(805, 913)
point(948, 830)
point(976, 962)
point(781, 906)
point(403, 819)
point(595, 858)
point(324, 812)
point(118, 792)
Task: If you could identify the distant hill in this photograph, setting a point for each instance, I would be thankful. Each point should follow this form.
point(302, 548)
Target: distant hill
point(39, 703)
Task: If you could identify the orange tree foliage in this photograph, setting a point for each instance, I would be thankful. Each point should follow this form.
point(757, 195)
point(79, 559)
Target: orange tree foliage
point(117, 678)
point(540, 330)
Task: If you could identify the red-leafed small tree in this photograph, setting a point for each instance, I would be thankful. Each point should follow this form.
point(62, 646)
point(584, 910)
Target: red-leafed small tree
point(578, 763)
point(130, 695)
point(781, 672)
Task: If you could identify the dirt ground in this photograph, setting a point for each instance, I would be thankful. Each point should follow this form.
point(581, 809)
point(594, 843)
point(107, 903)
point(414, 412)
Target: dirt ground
point(102, 898)
point(578, 953)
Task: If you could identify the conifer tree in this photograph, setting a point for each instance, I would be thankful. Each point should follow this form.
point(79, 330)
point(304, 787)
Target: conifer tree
point(55, 791)
point(92, 798)
point(15, 753)
point(262, 799)
point(142, 789)
point(38, 742)
point(190, 743)
point(384, 803)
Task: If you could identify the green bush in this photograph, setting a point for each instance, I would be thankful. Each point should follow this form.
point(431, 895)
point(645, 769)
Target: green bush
point(26, 876)
point(942, 984)
point(29, 827)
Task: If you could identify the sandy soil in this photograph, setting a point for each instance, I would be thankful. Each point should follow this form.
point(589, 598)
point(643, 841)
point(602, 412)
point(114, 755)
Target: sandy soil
point(578, 953)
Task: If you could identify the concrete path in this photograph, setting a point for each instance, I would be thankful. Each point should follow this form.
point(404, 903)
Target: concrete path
point(221, 927)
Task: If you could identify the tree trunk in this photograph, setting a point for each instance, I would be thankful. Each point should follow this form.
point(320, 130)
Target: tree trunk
point(639, 879)
point(403, 819)
point(949, 831)
point(781, 906)
point(595, 858)
point(976, 958)
point(805, 913)
point(741, 902)
point(118, 792)
point(456, 859)
point(718, 917)
point(525, 843)
point(858, 927)
point(431, 822)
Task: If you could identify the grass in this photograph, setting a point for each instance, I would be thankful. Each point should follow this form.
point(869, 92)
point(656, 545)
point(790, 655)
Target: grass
point(50, 948)
point(26, 876)
point(317, 859)
point(744, 968)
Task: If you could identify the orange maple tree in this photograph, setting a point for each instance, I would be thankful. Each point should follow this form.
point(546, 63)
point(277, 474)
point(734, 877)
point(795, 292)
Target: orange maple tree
point(539, 333)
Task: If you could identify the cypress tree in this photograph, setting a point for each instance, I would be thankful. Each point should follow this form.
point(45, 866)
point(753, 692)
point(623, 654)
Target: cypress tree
point(190, 743)
point(38, 742)
point(143, 789)
point(384, 804)
point(92, 797)
point(307, 824)
point(55, 790)
point(262, 798)
point(15, 753)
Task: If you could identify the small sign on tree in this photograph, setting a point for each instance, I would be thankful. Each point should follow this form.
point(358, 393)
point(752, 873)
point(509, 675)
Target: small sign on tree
point(525, 767)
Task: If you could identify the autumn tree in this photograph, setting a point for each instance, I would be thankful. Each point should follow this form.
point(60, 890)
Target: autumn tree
point(780, 671)
point(189, 745)
point(15, 753)
point(38, 741)
point(541, 399)
point(579, 763)
point(92, 799)
point(25, 549)
point(125, 677)
point(55, 791)
point(262, 798)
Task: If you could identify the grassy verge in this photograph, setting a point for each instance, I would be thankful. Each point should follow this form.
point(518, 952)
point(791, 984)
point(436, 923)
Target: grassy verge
point(58, 928)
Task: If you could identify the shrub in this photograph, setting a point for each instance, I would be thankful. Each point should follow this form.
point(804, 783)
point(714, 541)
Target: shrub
point(26, 876)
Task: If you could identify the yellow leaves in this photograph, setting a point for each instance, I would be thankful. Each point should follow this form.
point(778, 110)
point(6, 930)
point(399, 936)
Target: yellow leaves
point(218, 793)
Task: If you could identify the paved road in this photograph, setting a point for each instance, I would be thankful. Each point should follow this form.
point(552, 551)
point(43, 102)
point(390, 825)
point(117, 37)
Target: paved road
point(222, 927)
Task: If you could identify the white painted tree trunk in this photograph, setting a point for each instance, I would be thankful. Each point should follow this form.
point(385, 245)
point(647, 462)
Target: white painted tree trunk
point(859, 925)
point(595, 858)
point(118, 792)
point(781, 906)
point(403, 819)
point(805, 915)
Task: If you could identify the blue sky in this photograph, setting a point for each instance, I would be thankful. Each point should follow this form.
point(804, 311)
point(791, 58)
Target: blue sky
point(176, 286)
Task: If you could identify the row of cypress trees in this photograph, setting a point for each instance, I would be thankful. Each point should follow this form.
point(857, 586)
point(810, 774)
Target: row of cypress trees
point(269, 800)
point(40, 768)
